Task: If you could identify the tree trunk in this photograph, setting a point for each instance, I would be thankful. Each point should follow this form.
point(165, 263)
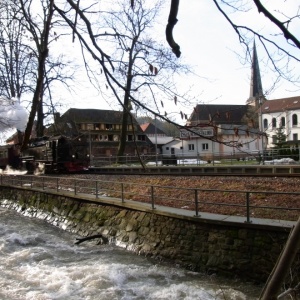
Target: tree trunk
point(281, 269)
point(126, 112)
point(36, 101)
point(40, 118)
point(43, 53)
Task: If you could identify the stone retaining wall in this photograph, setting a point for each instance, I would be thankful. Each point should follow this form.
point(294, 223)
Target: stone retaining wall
point(241, 251)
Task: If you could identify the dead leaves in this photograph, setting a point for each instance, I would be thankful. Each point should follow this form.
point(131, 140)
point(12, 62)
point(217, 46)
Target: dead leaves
point(153, 70)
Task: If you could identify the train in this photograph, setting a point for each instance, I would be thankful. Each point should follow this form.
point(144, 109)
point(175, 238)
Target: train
point(55, 154)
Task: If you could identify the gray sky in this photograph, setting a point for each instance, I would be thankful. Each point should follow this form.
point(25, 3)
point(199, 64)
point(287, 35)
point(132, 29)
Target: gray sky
point(211, 46)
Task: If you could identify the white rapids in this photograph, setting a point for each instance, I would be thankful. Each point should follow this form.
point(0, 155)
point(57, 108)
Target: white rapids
point(41, 262)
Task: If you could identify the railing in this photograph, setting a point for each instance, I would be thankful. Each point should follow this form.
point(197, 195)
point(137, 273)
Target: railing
point(186, 158)
point(245, 204)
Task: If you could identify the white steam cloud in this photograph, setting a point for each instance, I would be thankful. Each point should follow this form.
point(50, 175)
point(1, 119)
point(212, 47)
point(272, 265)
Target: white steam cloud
point(12, 115)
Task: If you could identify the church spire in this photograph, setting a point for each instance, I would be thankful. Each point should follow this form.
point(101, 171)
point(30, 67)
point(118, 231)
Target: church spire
point(256, 91)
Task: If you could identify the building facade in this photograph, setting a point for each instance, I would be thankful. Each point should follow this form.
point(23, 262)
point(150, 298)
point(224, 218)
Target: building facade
point(281, 113)
point(102, 129)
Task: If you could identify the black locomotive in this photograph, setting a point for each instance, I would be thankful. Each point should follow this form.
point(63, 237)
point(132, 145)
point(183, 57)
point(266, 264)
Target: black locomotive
point(57, 154)
point(10, 156)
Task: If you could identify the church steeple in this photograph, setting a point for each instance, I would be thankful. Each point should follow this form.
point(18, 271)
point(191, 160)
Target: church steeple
point(256, 90)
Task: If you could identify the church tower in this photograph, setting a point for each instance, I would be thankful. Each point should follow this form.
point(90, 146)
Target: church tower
point(256, 96)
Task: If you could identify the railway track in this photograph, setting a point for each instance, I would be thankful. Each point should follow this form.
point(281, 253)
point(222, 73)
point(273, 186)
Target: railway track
point(242, 170)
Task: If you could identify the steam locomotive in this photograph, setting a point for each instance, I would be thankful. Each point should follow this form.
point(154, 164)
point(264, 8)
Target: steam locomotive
point(57, 154)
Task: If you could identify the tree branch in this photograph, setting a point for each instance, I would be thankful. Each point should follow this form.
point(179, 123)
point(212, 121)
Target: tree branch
point(172, 20)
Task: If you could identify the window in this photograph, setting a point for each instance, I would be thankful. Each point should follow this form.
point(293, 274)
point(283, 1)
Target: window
point(89, 126)
point(265, 123)
point(141, 137)
point(274, 139)
point(274, 123)
point(191, 147)
point(294, 120)
point(283, 121)
point(295, 137)
point(167, 148)
point(205, 147)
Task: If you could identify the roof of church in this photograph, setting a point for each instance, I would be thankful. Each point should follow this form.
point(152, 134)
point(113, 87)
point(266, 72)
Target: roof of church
point(218, 114)
point(278, 105)
point(256, 90)
point(255, 84)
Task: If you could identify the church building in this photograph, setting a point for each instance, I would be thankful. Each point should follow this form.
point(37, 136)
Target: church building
point(218, 130)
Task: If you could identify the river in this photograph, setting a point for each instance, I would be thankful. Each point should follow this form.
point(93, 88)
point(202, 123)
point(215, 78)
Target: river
point(40, 261)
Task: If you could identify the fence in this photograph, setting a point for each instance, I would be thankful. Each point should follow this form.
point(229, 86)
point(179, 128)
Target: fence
point(231, 158)
point(247, 204)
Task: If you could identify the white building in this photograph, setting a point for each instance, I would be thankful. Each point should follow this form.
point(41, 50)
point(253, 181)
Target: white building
point(283, 113)
point(224, 135)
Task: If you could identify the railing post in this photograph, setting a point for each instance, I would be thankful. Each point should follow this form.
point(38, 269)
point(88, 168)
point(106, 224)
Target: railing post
point(196, 204)
point(57, 184)
point(152, 197)
point(248, 207)
point(75, 187)
point(31, 177)
point(43, 182)
point(122, 192)
point(96, 189)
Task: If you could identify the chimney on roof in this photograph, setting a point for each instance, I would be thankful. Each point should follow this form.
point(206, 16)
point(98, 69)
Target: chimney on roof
point(56, 117)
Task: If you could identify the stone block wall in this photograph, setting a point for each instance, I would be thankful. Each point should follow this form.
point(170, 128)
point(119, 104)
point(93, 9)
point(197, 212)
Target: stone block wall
point(242, 251)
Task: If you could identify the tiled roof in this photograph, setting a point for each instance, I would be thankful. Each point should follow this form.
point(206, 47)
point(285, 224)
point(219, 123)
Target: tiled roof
point(279, 105)
point(218, 113)
point(149, 128)
point(93, 116)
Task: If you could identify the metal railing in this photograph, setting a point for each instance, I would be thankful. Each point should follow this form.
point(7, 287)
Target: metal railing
point(187, 158)
point(241, 203)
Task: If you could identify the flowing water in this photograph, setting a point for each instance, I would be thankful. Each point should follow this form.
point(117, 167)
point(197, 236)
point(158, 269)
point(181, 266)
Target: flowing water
point(39, 261)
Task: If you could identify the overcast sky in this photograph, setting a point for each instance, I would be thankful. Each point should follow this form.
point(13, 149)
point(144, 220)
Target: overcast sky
point(210, 45)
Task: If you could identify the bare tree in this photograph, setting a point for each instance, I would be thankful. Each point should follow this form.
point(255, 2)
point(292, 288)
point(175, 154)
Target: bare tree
point(17, 59)
point(138, 69)
point(142, 65)
point(26, 68)
point(280, 40)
